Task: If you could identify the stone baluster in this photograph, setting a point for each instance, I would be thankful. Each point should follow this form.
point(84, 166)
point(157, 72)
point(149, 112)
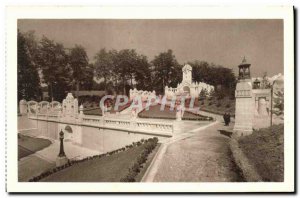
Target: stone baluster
point(81, 115)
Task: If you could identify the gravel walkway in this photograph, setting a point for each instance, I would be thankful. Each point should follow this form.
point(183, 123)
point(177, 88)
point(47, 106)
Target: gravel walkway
point(203, 156)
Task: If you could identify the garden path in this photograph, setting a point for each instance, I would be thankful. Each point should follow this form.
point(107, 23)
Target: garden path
point(200, 155)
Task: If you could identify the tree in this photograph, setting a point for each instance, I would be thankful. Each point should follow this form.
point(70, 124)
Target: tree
point(265, 84)
point(29, 87)
point(56, 72)
point(214, 75)
point(203, 94)
point(81, 70)
point(166, 70)
point(125, 65)
point(104, 64)
point(142, 73)
point(279, 103)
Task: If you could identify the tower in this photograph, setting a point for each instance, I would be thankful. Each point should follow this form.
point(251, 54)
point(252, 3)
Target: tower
point(244, 109)
point(187, 74)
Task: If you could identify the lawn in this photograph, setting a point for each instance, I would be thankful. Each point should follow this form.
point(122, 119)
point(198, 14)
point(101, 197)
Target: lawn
point(29, 145)
point(32, 166)
point(265, 149)
point(97, 111)
point(218, 106)
point(155, 112)
point(106, 169)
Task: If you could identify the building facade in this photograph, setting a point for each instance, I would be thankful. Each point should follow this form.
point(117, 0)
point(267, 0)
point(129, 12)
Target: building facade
point(187, 87)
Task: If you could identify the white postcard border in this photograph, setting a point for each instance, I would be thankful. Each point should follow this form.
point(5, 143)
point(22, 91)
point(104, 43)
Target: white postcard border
point(59, 12)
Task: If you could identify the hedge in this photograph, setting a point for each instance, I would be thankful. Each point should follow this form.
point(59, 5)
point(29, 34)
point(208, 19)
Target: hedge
point(135, 169)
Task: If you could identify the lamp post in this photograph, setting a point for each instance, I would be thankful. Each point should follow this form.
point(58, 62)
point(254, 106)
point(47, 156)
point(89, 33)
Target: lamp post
point(61, 158)
point(61, 149)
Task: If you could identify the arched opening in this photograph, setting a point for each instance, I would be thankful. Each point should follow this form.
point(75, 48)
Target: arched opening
point(68, 133)
point(186, 90)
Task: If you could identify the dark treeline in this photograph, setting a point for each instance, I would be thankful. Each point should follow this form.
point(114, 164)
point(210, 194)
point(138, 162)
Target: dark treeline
point(48, 62)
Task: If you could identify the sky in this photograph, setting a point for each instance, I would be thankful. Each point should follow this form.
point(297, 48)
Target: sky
point(223, 42)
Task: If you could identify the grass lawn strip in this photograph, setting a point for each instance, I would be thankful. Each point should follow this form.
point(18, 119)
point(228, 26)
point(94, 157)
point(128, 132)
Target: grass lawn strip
point(32, 166)
point(109, 167)
point(155, 112)
point(28, 145)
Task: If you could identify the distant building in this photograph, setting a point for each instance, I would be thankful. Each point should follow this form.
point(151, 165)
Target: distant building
point(187, 87)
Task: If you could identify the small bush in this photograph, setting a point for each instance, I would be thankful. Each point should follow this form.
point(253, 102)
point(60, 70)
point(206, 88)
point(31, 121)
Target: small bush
point(227, 106)
point(136, 167)
point(130, 177)
point(219, 104)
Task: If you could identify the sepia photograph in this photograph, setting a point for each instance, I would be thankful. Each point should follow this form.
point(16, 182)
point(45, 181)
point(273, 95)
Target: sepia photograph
point(167, 100)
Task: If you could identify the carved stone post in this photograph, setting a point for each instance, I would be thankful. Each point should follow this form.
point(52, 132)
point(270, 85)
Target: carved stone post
point(245, 104)
point(23, 107)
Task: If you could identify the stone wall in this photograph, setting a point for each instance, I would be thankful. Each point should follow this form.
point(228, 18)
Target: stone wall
point(94, 138)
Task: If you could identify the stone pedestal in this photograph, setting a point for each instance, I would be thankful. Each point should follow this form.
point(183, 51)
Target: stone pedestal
point(61, 160)
point(23, 107)
point(244, 110)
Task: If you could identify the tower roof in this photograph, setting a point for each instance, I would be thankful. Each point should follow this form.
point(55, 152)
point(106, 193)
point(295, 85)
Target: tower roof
point(244, 62)
point(187, 67)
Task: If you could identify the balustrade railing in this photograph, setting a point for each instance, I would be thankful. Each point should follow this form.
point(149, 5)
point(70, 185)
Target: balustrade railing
point(155, 126)
point(112, 123)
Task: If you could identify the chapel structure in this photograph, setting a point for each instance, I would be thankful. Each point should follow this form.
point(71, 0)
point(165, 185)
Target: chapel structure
point(187, 87)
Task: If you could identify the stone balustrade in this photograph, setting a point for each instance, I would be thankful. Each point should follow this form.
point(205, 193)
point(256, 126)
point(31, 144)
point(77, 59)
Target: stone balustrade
point(68, 112)
point(144, 126)
point(155, 126)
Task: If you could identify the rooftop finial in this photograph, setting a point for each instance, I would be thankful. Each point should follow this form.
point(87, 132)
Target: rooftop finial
point(244, 60)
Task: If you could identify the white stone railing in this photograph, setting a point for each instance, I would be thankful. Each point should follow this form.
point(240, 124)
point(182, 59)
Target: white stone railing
point(142, 126)
point(53, 117)
point(155, 126)
point(91, 120)
point(117, 123)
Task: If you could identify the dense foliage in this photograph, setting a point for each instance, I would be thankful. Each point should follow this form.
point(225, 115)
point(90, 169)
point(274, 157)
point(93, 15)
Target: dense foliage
point(265, 149)
point(46, 62)
point(29, 86)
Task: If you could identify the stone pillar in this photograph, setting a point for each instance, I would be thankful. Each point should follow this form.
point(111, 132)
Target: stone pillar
point(245, 107)
point(80, 113)
point(23, 107)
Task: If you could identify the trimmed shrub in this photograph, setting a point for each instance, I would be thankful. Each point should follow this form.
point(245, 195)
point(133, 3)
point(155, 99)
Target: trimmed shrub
point(136, 167)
